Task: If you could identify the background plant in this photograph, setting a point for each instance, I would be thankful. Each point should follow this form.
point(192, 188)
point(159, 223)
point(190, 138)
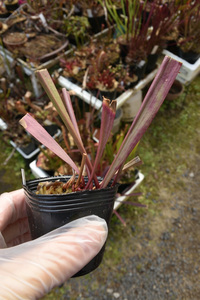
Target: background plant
point(189, 26)
point(151, 104)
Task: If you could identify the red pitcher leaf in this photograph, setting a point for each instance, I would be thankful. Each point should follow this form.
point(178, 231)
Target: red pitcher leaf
point(69, 107)
point(154, 98)
point(36, 130)
point(107, 120)
point(50, 88)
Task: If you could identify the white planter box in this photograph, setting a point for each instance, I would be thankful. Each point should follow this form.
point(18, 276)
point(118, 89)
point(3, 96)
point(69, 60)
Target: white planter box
point(37, 172)
point(121, 199)
point(29, 68)
point(188, 71)
point(95, 102)
point(33, 153)
point(3, 125)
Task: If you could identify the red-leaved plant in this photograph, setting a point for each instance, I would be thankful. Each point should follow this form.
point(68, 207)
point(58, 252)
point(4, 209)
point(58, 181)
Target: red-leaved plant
point(150, 106)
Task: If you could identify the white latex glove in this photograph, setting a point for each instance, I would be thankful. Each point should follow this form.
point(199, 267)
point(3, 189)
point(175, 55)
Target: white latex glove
point(31, 269)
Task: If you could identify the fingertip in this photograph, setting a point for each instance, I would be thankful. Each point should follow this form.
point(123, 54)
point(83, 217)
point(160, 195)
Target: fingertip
point(93, 234)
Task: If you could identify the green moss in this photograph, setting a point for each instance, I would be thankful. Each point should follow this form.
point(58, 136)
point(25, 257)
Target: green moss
point(11, 164)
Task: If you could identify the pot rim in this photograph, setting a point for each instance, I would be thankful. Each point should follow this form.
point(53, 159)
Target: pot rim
point(54, 178)
point(24, 40)
point(71, 209)
point(70, 205)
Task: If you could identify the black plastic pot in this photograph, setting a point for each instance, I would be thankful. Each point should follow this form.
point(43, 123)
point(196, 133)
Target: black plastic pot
point(5, 14)
point(43, 219)
point(138, 69)
point(97, 23)
point(124, 49)
point(151, 63)
point(29, 148)
point(173, 47)
point(12, 5)
point(189, 56)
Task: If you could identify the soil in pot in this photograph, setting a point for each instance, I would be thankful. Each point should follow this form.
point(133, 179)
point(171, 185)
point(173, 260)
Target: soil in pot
point(41, 48)
point(14, 39)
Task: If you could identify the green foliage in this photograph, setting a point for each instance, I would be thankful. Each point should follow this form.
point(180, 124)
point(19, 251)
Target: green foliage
point(77, 27)
point(114, 144)
point(11, 163)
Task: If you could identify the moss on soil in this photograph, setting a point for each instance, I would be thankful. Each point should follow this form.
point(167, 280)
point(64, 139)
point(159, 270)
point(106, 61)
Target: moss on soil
point(11, 163)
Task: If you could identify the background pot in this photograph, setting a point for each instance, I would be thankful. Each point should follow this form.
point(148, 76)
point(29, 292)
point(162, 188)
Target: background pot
point(13, 40)
point(11, 5)
point(151, 63)
point(97, 23)
point(175, 91)
point(43, 220)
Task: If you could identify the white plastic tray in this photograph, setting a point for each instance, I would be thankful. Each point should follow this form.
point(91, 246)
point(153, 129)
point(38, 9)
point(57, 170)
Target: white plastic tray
point(37, 150)
point(121, 199)
point(29, 69)
point(188, 71)
point(95, 102)
point(36, 171)
point(3, 125)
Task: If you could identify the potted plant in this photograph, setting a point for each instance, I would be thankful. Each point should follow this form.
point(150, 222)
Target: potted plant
point(77, 29)
point(30, 37)
point(4, 13)
point(86, 195)
point(14, 104)
point(96, 67)
point(94, 13)
point(183, 40)
point(189, 32)
point(176, 90)
point(140, 30)
point(13, 40)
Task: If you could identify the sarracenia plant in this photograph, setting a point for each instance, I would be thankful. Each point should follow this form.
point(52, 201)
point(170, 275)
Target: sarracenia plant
point(150, 106)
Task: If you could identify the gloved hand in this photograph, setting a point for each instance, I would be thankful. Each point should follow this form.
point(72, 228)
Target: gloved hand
point(31, 269)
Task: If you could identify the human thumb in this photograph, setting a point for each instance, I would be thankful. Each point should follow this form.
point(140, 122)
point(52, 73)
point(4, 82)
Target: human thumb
point(32, 269)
